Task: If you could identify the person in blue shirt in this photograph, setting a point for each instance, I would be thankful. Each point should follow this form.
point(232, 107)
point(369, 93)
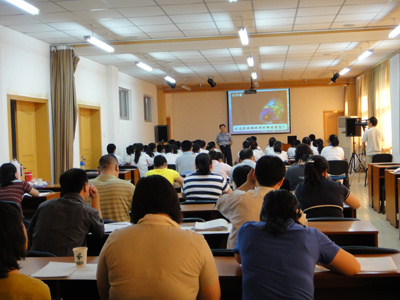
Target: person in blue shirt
point(279, 254)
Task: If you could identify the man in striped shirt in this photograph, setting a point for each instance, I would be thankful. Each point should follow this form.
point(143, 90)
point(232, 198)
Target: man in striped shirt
point(115, 194)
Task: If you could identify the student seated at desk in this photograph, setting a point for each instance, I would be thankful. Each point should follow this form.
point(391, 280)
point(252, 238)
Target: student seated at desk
point(161, 168)
point(318, 195)
point(12, 189)
point(13, 241)
point(333, 151)
point(203, 184)
point(279, 254)
point(155, 258)
point(141, 160)
point(59, 225)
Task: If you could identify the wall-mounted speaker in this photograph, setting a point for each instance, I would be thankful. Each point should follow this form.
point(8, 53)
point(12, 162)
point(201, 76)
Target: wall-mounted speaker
point(161, 133)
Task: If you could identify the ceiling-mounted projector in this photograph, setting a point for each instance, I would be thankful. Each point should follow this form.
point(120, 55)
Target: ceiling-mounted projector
point(251, 90)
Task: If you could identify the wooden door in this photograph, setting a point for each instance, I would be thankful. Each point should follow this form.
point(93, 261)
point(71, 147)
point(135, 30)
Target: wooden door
point(331, 123)
point(25, 125)
point(85, 137)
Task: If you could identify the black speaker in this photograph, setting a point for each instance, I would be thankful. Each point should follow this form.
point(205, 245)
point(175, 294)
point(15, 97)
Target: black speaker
point(351, 128)
point(291, 138)
point(161, 133)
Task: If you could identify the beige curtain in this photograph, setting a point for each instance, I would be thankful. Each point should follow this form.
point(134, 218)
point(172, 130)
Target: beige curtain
point(64, 105)
point(374, 99)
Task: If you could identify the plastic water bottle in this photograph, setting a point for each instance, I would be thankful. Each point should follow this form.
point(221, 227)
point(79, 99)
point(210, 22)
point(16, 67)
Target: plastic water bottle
point(82, 163)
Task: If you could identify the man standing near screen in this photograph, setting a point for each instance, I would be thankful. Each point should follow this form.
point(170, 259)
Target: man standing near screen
point(224, 141)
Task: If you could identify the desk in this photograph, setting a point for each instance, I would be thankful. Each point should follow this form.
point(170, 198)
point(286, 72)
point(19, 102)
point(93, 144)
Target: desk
point(328, 285)
point(125, 175)
point(349, 233)
point(378, 182)
point(391, 192)
point(50, 187)
point(30, 204)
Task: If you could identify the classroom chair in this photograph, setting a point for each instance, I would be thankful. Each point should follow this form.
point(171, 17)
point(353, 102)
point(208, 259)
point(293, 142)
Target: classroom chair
point(338, 170)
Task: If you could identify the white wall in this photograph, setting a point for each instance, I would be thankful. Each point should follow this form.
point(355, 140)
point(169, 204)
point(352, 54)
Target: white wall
point(24, 71)
point(198, 114)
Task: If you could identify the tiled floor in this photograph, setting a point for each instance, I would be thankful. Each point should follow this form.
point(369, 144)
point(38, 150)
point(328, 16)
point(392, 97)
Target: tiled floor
point(388, 235)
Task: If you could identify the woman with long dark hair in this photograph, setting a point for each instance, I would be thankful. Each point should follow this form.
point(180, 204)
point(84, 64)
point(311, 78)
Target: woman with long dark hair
point(318, 195)
point(333, 151)
point(141, 160)
point(203, 184)
point(279, 254)
point(13, 241)
point(154, 258)
point(12, 189)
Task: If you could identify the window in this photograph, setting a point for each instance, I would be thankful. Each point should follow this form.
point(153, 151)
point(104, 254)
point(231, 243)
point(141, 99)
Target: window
point(124, 104)
point(148, 108)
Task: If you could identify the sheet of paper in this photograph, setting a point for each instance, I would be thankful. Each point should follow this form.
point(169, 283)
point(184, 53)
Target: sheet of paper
point(86, 272)
point(43, 194)
point(377, 264)
point(110, 227)
point(56, 269)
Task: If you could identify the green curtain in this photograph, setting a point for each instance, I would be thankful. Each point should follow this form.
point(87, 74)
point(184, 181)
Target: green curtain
point(64, 106)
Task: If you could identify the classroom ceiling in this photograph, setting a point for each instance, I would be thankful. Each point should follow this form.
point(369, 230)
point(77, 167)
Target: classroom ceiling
point(191, 40)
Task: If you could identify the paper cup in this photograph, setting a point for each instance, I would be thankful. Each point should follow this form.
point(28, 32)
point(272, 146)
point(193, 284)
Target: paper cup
point(80, 255)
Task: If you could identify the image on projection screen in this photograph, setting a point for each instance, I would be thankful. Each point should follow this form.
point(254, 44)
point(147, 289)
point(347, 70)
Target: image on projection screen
point(268, 111)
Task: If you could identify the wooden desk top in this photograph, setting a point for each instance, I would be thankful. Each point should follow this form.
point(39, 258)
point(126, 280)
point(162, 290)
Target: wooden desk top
point(226, 267)
point(47, 196)
point(344, 227)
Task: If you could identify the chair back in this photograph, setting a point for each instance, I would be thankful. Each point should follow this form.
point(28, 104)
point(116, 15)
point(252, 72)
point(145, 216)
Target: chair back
point(222, 252)
point(383, 157)
point(173, 167)
point(338, 167)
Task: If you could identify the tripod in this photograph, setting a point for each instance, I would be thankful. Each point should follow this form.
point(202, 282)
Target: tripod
point(354, 159)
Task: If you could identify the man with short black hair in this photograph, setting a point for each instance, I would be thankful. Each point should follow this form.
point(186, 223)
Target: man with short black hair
point(59, 225)
point(115, 194)
point(224, 141)
point(185, 163)
point(374, 138)
point(246, 157)
point(306, 140)
point(112, 149)
point(244, 204)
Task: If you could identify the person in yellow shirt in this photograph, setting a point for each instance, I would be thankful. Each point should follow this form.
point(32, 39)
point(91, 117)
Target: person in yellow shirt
point(14, 285)
point(161, 168)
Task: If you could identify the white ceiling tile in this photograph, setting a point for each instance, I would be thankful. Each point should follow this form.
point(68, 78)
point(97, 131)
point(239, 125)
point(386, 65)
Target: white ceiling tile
point(185, 9)
point(18, 20)
point(129, 3)
point(83, 5)
point(216, 53)
point(226, 6)
point(273, 49)
point(172, 2)
point(354, 17)
point(345, 24)
point(319, 11)
point(272, 65)
point(69, 26)
point(363, 8)
point(198, 26)
point(189, 18)
point(273, 22)
point(159, 20)
point(316, 19)
point(33, 28)
point(308, 27)
point(275, 13)
point(57, 17)
point(201, 33)
point(148, 11)
point(47, 7)
point(115, 23)
point(233, 16)
point(237, 51)
point(98, 14)
point(61, 40)
point(49, 35)
point(262, 4)
point(165, 34)
point(183, 70)
point(266, 29)
point(9, 9)
point(231, 25)
point(314, 3)
point(158, 28)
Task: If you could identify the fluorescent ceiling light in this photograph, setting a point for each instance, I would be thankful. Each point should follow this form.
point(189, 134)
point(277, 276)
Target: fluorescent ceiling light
point(169, 79)
point(254, 75)
point(144, 66)
point(344, 71)
point(232, 1)
point(244, 38)
point(364, 55)
point(394, 32)
point(25, 6)
point(99, 43)
point(186, 87)
point(250, 61)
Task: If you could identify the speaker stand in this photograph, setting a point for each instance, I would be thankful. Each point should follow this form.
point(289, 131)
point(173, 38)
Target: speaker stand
point(354, 160)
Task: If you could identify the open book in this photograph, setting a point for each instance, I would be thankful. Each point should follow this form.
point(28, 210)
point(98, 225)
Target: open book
point(213, 225)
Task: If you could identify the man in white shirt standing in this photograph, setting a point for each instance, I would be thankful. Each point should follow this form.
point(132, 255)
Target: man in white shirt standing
point(373, 137)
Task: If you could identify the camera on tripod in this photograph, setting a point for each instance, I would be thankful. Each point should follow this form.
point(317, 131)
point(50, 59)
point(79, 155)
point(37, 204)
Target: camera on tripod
point(362, 123)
